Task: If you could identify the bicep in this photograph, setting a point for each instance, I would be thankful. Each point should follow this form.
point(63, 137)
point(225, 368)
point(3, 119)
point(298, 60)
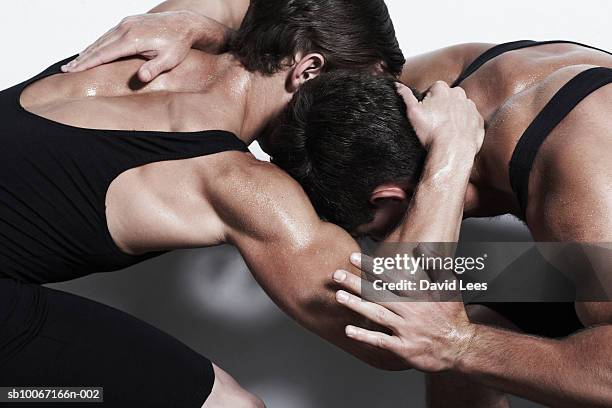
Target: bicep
point(291, 252)
point(297, 275)
point(269, 218)
point(296, 271)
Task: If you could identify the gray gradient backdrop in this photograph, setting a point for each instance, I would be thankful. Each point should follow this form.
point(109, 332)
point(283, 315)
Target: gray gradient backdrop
point(207, 298)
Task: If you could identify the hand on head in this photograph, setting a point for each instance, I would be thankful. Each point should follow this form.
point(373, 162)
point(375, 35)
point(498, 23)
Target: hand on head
point(443, 116)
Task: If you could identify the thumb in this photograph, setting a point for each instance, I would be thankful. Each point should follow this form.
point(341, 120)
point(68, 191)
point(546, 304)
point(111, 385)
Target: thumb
point(155, 67)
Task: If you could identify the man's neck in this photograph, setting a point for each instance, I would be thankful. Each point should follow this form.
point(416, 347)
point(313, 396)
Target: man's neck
point(248, 101)
point(265, 97)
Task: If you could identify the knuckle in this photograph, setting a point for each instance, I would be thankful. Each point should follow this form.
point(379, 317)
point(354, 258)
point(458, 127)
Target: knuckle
point(381, 315)
point(95, 55)
point(381, 342)
point(126, 23)
point(353, 281)
point(170, 59)
point(459, 93)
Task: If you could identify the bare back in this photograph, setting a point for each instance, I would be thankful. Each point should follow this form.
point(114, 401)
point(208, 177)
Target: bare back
point(152, 207)
point(570, 193)
point(510, 90)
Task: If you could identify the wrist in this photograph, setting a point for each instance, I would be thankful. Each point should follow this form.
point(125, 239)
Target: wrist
point(463, 341)
point(447, 163)
point(196, 25)
point(207, 34)
point(453, 146)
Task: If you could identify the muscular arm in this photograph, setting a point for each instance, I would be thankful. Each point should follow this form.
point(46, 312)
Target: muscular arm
point(293, 254)
point(577, 208)
point(573, 372)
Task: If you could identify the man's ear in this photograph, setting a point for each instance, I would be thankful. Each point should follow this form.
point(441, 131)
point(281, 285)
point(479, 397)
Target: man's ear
point(306, 68)
point(387, 192)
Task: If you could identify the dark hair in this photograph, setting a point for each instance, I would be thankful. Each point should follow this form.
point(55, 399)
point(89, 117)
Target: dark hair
point(344, 134)
point(351, 34)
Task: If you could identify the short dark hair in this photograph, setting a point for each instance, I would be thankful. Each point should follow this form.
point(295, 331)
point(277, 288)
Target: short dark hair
point(351, 34)
point(344, 134)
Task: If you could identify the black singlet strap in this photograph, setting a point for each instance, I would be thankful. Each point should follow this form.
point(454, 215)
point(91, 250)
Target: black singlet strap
point(572, 93)
point(507, 47)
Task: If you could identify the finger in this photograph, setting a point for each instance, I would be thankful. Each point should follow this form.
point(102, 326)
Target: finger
point(364, 263)
point(353, 284)
point(440, 87)
point(108, 53)
point(372, 311)
point(459, 91)
point(155, 67)
point(348, 281)
point(376, 339)
point(407, 95)
point(356, 259)
point(109, 37)
point(419, 119)
point(99, 41)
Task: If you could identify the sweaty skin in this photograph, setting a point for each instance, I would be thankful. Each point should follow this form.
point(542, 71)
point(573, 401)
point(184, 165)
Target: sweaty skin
point(509, 91)
point(231, 197)
point(569, 201)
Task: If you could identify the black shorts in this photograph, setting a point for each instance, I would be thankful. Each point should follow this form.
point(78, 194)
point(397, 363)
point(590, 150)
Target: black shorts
point(51, 338)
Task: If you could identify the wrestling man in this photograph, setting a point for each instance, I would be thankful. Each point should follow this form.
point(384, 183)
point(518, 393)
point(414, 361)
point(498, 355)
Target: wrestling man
point(99, 172)
point(544, 160)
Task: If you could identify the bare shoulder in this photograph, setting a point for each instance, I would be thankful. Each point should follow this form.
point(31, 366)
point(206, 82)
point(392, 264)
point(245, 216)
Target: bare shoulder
point(445, 64)
point(259, 199)
point(573, 169)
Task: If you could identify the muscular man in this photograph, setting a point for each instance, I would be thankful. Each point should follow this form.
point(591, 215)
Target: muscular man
point(375, 165)
point(511, 84)
point(100, 171)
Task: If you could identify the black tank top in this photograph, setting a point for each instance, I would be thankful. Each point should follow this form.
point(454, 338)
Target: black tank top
point(568, 97)
point(53, 183)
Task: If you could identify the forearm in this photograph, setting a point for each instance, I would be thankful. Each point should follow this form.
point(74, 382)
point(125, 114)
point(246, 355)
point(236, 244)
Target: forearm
point(576, 371)
point(436, 209)
point(228, 13)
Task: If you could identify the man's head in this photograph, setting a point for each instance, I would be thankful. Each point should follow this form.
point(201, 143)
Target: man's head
point(321, 34)
point(346, 139)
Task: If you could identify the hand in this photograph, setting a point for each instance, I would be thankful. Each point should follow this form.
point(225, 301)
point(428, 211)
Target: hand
point(428, 336)
point(445, 116)
point(163, 38)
